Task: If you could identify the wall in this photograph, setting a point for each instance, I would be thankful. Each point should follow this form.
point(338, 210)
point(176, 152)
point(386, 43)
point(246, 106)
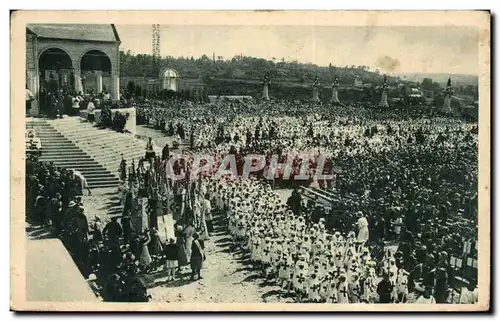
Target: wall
point(146, 82)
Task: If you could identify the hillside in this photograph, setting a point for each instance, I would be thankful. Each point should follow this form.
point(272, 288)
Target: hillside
point(247, 68)
point(440, 78)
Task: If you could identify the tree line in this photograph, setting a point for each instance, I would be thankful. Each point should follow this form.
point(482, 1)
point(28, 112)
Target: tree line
point(247, 68)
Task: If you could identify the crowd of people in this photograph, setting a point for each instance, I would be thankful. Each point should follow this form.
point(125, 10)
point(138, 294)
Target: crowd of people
point(112, 256)
point(397, 222)
point(411, 175)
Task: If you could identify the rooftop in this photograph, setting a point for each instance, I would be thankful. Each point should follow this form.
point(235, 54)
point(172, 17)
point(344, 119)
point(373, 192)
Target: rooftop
point(80, 32)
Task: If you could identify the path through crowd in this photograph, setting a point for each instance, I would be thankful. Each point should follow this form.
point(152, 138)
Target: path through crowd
point(105, 203)
point(227, 277)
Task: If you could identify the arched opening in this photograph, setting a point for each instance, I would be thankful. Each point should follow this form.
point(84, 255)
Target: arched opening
point(169, 79)
point(56, 73)
point(95, 68)
point(56, 70)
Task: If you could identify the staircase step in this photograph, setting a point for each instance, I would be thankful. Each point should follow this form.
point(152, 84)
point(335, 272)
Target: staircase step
point(82, 167)
point(60, 144)
point(72, 147)
point(103, 177)
point(105, 181)
point(68, 162)
point(127, 156)
point(83, 159)
point(98, 174)
point(61, 152)
point(103, 186)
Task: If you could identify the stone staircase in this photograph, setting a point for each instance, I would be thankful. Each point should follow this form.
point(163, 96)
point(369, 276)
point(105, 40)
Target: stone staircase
point(63, 152)
point(104, 145)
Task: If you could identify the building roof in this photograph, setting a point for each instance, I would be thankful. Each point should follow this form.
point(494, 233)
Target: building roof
point(79, 32)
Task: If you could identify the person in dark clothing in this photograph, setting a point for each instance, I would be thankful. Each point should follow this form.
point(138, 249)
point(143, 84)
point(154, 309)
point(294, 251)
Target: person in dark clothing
point(384, 289)
point(112, 232)
point(197, 256)
point(170, 131)
point(191, 139)
point(317, 214)
point(128, 230)
point(379, 229)
point(165, 153)
point(295, 202)
point(181, 132)
point(155, 246)
point(441, 285)
point(170, 252)
point(113, 289)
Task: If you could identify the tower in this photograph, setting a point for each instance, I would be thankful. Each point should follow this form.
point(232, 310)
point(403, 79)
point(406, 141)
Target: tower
point(156, 41)
point(383, 99)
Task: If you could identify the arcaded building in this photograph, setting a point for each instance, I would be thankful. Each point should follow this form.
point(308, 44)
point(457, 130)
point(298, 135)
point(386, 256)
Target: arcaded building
point(74, 57)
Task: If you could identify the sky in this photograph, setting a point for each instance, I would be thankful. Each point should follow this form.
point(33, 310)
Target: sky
point(392, 50)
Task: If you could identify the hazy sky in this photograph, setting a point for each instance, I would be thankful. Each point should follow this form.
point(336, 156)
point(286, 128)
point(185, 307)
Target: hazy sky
point(390, 49)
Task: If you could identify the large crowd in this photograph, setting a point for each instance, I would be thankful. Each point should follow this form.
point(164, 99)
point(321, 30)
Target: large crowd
point(399, 226)
point(409, 175)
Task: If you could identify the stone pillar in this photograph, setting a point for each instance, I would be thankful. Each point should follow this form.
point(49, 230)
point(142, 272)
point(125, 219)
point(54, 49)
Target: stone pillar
point(31, 81)
point(115, 86)
point(265, 92)
point(335, 96)
point(98, 82)
point(447, 104)
point(315, 96)
point(78, 80)
point(32, 86)
point(383, 99)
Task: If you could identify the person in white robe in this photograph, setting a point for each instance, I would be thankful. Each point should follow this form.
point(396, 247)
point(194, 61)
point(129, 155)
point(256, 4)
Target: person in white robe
point(83, 181)
point(343, 290)
point(363, 233)
point(426, 297)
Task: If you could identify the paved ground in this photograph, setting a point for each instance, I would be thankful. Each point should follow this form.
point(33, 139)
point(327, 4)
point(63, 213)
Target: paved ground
point(227, 277)
point(159, 138)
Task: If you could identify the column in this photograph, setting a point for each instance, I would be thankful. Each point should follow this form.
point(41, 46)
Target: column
point(32, 85)
point(265, 92)
point(98, 84)
point(335, 96)
point(315, 94)
point(447, 104)
point(78, 80)
point(115, 86)
point(31, 81)
point(383, 99)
